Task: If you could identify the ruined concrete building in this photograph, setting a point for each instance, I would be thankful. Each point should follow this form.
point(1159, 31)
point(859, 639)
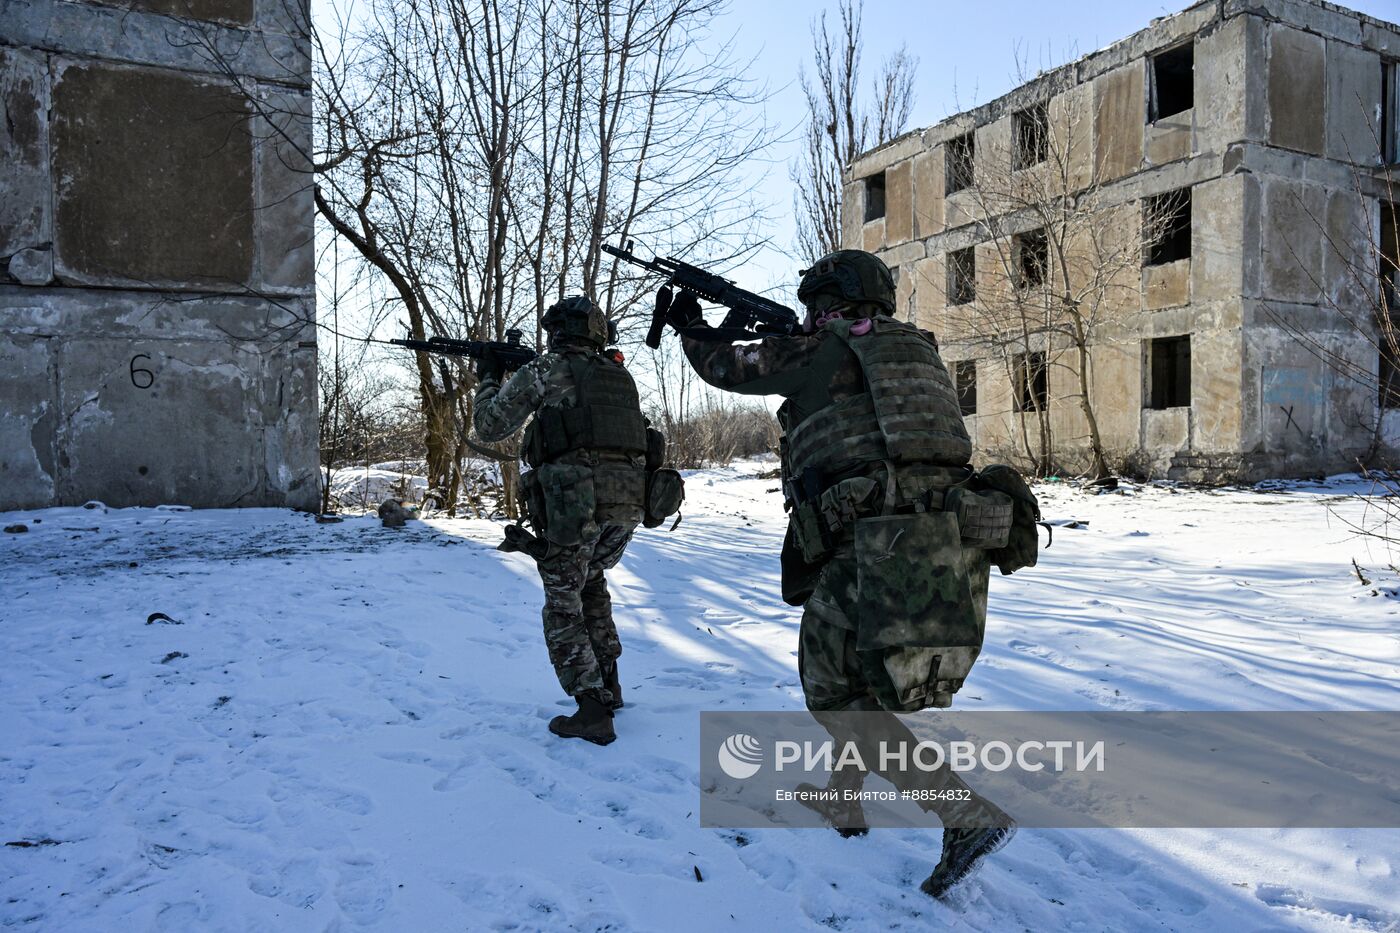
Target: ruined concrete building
point(157, 342)
point(1255, 137)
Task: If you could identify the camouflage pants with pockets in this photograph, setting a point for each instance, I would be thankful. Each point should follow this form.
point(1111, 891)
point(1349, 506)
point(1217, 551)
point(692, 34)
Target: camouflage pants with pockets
point(836, 679)
point(578, 622)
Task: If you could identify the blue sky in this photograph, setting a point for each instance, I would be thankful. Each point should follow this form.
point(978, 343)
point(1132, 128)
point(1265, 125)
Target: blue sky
point(967, 51)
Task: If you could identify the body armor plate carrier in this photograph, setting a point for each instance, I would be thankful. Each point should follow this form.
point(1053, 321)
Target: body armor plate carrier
point(908, 415)
point(589, 461)
point(607, 417)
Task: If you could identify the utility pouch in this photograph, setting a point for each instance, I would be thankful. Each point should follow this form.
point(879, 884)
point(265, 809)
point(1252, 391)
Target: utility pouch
point(656, 449)
point(619, 491)
point(567, 492)
point(665, 491)
point(984, 518)
point(1022, 547)
point(913, 584)
point(917, 615)
point(822, 522)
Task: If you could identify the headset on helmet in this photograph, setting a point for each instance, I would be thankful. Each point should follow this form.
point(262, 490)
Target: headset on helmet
point(578, 317)
point(852, 274)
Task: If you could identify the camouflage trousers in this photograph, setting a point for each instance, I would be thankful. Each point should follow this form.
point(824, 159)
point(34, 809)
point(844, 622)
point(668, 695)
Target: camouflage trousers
point(837, 678)
point(578, 623)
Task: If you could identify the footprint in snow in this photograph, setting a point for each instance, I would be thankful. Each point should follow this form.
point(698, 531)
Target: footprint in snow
point(1354, 914)
point(362, 890)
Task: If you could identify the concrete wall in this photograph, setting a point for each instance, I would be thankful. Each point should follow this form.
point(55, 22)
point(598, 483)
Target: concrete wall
point(157, 339)
point(1279, 151)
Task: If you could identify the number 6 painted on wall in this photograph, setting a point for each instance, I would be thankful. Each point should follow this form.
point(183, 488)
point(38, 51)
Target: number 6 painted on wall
point(141, 371)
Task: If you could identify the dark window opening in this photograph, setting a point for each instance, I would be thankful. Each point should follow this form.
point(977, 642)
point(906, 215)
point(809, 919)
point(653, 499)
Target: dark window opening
point(1171, 82)
point(874, 197)
point(965, 375)
point(962, 276)
point(1031, 128)
point(1166, 224)
point(1032, 382)
point(1170, 368)
point(1388, 320)
point(1390, 112)
point(960, 157)
point(1032, 252)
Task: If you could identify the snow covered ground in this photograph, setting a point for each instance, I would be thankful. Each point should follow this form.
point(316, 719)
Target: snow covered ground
point(342, 727)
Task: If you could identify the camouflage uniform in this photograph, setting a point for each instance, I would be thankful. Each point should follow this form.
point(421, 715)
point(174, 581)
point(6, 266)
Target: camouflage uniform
point(835, 674)
point(843, 664)
point(578, 623)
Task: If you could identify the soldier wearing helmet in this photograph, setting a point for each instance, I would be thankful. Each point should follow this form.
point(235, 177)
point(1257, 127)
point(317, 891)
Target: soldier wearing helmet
point(893, 604)
point(583, 494)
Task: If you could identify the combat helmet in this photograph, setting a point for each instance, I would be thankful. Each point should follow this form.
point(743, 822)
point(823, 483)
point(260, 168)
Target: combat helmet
point(852, 274)
point(578, 319)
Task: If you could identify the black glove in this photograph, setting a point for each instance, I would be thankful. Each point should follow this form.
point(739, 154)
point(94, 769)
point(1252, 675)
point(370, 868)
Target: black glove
point(685, 312)
point(489, 367)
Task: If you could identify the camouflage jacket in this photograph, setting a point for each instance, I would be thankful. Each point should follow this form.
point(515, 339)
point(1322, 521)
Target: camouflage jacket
point(500, 410)
point(779, 366)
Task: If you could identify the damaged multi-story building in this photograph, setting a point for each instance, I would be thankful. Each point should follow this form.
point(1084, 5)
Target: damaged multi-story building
point(157, 333)
point(1233, 339)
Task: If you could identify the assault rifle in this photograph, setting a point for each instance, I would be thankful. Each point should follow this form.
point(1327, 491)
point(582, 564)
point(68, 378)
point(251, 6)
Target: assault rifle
point(511, 352)
point(750, 316)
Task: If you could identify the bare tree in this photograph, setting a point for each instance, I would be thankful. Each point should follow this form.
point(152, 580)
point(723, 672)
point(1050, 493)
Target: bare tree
point(477, 153)
point(839, 126)
point(1067, 252)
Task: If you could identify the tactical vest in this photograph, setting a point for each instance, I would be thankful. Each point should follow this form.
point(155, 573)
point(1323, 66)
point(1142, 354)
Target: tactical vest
point(589, 461)
point(607, 417)
point(908, 415)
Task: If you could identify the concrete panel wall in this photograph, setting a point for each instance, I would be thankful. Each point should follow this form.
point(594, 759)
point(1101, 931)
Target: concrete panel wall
point(1297, 89)
point(1119, 116)
point(157, 339)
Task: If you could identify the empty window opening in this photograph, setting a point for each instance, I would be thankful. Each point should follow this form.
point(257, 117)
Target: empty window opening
point(1032, 252)
point(1388, 320)
point(962, 276)
point(1390, 112)
point(1031, 129)
point(1171, 82)
point(1170, 368)
point(874, 197)
point(961, 160)
point(1166, 223)
point(965, 375)
point(1032, 382)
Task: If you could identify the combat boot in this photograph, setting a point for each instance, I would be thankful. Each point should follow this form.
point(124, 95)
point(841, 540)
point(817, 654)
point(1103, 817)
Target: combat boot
point(963, 853)
point(847, 817)
point(592, 722)
point(613, 682)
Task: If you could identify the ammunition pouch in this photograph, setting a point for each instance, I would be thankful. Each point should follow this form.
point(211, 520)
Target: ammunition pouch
point(1022, 546)
point(820, 523)
point(665, 491)
point(917, 612)
point(984, 518)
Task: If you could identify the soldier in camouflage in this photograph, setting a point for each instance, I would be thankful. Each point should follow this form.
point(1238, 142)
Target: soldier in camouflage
point(894, 605)
point(583, 494)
